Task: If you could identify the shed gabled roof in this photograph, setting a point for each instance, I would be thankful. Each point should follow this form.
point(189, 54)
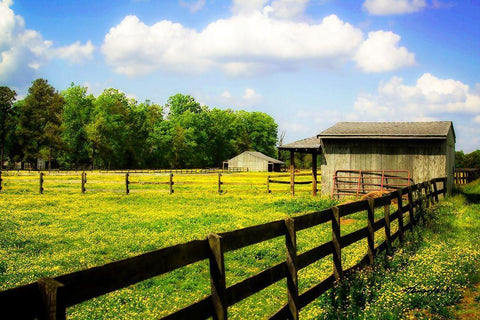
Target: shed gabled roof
point(261, 156)
point(304, 144)
point(388, 130)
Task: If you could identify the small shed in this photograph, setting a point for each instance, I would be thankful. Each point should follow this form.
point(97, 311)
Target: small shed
point(417, 150)
point(254, 161)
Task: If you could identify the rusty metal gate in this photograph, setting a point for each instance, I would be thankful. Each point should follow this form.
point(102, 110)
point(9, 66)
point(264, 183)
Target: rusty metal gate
point(357, 182)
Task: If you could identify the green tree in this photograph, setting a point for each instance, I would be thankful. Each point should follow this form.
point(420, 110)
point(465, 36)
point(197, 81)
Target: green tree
point(40, 122)
point(77, 114)
point(107, 133)
point(179, 103)
point(7, 98)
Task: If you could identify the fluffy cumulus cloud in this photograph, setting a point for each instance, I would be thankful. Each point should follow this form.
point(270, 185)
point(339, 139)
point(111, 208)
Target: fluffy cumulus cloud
point(261, 36)
point(389, 7)
point(430, 98)
point(23, 51)
point(76, 52)
point(381, 52)
point(249, 98)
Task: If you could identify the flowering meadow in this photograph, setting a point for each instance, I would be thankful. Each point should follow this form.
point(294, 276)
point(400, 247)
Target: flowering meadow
point(63, 230)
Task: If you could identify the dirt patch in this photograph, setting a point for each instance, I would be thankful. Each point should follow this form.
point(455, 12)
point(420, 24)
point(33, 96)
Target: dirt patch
point(469, 307)
point(346, 222)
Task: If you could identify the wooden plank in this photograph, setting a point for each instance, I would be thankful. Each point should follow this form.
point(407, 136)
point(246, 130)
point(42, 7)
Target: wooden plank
point(379, 224)
point(313, 255)
point(353, 237)
point(254, 284)
point(237, 239)
point(90, 283)
point(292, 267)
point(384, 200)
point(353, 207)
point(217, 277)
point(313, 219)
point(400, 215)
point(316, 291)
point(199, 310)
point(23, 302)
point(281, 314)
point(40, 189)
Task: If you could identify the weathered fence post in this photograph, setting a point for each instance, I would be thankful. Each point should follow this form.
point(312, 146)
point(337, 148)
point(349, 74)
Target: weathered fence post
point(410, 204)
point(268, 184)
point(400, 215)
point(427, 194)
point(217, 277)
point(84, 180)
point(127, 189)
point(53, 299)
point(371, 230)
point(219, 183)
point(41, 183)
point(292, 274)
point(337, 249)
point(1, 180)
point(388, 230)
point(171, 183)
point(435, 190)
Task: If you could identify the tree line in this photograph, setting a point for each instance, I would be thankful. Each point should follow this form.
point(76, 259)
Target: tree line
point(73, 129)
point(469, 160)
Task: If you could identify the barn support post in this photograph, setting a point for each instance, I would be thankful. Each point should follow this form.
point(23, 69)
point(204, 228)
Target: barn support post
point(314, 174)
point(292, 172)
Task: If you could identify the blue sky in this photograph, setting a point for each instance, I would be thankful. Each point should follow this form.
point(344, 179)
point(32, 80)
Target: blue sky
point(309, 64)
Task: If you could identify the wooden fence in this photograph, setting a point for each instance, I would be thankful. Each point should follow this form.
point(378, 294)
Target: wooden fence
point(466, 175)
point(48, 298)
point(131, 178)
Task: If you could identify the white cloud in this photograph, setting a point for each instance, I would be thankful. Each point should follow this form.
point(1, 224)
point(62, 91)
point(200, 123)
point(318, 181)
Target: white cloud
point(429, 98)
point(193, 6)
point(380, 53)
point(76, 53)
point(24, 51)
point(476, 119)
point(261, 36)
point(249, 98)
point(389, 7)
point(251, 95)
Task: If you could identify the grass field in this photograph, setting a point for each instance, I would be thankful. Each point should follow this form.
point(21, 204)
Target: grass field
point(63, 231)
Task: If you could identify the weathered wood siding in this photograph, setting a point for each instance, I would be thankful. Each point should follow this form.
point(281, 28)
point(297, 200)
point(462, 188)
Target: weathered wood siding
point(425, 159)
point(249, 161)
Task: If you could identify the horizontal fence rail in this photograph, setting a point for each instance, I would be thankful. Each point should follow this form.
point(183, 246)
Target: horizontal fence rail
point(466, 175)
point(49, 298)
point(122, 181)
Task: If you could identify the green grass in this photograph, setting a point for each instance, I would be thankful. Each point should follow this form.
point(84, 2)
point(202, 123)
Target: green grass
point(426, 277)
point(63, 231)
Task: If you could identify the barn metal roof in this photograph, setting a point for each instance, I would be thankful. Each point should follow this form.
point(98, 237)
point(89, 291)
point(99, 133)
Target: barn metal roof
point(262, 156)
point(388, 130)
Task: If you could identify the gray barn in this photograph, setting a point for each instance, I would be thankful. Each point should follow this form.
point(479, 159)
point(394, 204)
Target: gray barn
point(417, 150)
point(254, 161)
